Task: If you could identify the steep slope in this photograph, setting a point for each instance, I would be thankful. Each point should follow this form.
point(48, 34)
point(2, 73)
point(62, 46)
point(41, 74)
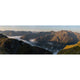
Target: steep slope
point(64, 37)
point(13, 46)
point(71, 49)
point(61, 37)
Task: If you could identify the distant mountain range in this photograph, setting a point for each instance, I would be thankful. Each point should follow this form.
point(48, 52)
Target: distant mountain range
point(15, 33)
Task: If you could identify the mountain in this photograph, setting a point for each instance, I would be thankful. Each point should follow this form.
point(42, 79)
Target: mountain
point(51, 41)
point(36, 35)
point(13, 46)
point(15, 33)
point(61, 37)
point(54, 41)
point(71, 49)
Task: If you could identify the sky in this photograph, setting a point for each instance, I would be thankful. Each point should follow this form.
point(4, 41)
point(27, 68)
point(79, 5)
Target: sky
point(41, 28)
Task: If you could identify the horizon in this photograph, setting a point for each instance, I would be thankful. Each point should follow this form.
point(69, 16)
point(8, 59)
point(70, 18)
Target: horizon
point(40, 28)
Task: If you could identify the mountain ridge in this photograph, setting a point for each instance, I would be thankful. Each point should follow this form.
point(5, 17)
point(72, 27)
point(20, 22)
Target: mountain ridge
point(13, 46)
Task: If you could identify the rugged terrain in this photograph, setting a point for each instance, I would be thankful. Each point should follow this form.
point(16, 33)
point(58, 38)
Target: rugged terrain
point(13, 46)
point(54, 41)
point(71, 49)
point(51, 41)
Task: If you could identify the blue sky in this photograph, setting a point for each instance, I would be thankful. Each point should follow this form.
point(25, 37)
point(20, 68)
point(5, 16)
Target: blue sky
point(41, 28)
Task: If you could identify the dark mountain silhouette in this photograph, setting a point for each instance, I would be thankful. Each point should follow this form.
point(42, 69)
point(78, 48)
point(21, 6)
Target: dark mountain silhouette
point(13, 46)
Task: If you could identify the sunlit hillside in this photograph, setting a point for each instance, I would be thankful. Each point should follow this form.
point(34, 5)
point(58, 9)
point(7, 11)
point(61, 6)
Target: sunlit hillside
point(71, 46)
point(71, 49)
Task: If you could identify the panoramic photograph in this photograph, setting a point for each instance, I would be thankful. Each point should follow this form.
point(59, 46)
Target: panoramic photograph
point(39, 39)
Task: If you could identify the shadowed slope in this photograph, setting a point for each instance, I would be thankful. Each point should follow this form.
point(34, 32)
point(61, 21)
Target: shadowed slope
point(13, 46)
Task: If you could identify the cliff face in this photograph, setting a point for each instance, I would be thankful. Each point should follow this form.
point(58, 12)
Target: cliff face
point(13, 46)
point(71, 49)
